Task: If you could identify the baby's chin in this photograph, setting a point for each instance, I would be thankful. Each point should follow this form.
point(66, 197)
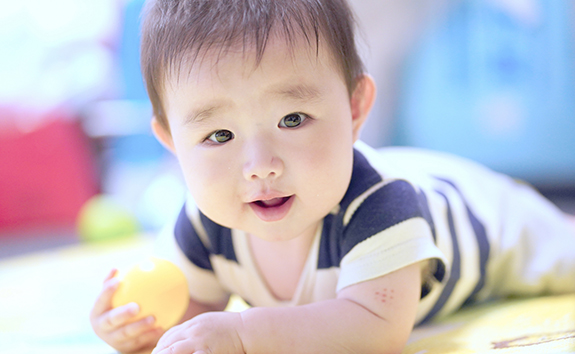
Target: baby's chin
point(275, 237)
point(284, 233)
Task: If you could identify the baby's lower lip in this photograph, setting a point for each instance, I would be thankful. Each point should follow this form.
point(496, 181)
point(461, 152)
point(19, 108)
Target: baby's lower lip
point(272, 210)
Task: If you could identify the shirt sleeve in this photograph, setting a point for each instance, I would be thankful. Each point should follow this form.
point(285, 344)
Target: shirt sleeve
point(388, 228)
point(401, 245)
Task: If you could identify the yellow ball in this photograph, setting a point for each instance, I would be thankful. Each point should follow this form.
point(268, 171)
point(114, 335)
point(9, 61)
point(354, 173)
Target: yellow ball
point(158, 286)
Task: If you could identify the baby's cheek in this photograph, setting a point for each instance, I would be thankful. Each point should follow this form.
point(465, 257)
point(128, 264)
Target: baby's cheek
point(331, 179)
point(205, 180)
point(203, 165)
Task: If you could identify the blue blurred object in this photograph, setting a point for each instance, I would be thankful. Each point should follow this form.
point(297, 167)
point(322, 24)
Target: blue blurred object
point(137, 148)
point(497, 87)
point(130, 52)
point(139, 173)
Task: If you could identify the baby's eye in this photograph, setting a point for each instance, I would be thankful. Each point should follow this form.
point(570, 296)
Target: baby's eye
point(221, 136)
point(292, 120)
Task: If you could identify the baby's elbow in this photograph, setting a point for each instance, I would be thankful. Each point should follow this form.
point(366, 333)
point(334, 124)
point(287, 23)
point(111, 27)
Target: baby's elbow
point(392, 346)
point(386, 339)
point(387, 347)
point(396, 348)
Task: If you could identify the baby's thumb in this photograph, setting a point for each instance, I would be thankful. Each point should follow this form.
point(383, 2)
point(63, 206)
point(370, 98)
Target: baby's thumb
point(110, 275)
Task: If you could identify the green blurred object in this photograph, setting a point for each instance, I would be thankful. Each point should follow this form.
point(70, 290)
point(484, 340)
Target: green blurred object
point(102, 218)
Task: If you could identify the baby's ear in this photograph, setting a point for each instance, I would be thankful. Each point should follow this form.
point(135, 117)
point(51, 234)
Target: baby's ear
point(163, 135)
point(362, 100)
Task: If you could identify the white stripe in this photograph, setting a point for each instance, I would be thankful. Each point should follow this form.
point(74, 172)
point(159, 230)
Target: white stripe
point(468, 251)
point(468, 247)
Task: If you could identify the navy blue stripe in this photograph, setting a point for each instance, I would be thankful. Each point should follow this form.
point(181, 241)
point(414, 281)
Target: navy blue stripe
point(439, 272)
point(484, 250)
point(190, 243)
point(220, 237)
point(482, 242)
point(388, 206)
point(455, 266)
point(363, 177)
point(329, 254)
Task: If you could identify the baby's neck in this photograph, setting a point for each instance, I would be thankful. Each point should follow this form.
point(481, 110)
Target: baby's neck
point(281, 263)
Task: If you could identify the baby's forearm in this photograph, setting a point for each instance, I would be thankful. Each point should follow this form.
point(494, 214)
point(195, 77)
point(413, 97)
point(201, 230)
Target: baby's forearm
point(332, 326)
point(145, 351)
point(374, 316)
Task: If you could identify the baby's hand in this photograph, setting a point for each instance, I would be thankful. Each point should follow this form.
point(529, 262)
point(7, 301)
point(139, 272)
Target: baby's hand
point(115, 326)
point(211, 332)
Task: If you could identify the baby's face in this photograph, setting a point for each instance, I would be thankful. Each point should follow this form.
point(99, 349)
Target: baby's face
point(267, 150)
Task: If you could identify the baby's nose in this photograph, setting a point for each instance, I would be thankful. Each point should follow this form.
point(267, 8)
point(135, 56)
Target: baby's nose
point(262, 163)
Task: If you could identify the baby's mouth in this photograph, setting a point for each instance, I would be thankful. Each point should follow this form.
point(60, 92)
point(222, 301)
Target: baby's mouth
point(270, 203)
point(273, 209)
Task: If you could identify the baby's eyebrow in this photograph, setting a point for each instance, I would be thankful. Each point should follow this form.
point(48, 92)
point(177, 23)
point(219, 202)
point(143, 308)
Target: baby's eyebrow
point(299, 92)
point(200, 115)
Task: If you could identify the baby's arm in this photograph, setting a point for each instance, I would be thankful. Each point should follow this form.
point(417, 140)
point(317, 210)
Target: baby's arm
point(375, 316)
point(116, 326)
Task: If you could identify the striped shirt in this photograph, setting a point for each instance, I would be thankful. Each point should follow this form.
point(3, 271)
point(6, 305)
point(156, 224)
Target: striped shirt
point(474, 228)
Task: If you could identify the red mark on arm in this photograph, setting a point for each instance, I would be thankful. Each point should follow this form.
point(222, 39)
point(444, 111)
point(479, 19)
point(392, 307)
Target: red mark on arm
point(384, 295)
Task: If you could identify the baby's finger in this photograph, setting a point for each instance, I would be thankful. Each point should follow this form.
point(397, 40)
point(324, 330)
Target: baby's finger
point(132, 330)
point(182, 347)
point(115, 318)
point(110, 275)
point(104, 301)
point(172, 335)
point(144, 340)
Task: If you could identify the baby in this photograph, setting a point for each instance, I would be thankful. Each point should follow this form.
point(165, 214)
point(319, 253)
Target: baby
point(339, 248)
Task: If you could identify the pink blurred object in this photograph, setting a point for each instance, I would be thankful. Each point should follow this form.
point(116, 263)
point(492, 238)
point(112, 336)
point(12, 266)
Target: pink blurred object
point(46, 173)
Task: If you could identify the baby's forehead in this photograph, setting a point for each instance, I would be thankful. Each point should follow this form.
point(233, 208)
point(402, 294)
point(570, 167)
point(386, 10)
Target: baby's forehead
point(214, 60)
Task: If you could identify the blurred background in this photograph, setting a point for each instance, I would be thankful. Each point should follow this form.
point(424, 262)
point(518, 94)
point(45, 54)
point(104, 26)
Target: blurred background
point(492, 80)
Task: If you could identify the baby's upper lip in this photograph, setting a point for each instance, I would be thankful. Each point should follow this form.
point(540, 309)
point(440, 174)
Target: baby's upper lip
point(267, 195)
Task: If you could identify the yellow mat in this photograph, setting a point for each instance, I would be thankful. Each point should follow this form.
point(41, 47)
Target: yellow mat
point(45, 299)
point(537, 325)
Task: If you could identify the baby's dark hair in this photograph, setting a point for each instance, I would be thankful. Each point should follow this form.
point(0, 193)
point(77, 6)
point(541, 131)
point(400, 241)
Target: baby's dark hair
point(177, 32)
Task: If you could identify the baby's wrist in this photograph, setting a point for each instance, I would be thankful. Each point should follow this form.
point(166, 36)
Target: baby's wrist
point(142, 351)
point(245, 330)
